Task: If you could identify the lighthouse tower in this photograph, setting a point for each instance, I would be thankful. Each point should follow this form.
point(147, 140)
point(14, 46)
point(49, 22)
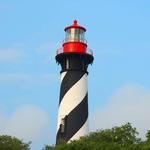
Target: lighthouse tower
point(74, 58)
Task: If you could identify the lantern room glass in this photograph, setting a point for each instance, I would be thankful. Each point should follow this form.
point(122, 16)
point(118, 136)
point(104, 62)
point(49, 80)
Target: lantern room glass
point(75, 35)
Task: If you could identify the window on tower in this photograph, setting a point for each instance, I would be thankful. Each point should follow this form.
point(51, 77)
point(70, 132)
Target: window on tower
point(62, 125)
point(75, 35)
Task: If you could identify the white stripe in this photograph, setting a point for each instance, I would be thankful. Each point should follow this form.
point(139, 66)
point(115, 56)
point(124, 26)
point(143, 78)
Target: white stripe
point(84, 130)
point(62, 76)
point(72, 98)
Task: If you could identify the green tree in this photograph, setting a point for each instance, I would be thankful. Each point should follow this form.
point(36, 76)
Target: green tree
point(148, 136)
point(12, 143)
point(146, 144)
point(47, 147)
point(116, 138)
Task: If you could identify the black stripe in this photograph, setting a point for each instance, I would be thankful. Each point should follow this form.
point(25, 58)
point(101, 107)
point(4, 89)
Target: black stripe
point(76, 118)
point(68, 81)
point(74, 121)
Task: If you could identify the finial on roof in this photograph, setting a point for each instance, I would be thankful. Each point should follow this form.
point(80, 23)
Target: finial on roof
point(75, 22)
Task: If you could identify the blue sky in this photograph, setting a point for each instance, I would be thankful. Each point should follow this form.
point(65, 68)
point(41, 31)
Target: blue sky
point(31, 31)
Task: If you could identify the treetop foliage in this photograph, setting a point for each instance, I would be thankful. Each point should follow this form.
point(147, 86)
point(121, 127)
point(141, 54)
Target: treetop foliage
point(124, 137)
point(12, 143)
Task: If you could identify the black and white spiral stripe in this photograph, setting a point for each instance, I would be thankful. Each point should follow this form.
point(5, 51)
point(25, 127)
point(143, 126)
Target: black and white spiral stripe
point(73, 105)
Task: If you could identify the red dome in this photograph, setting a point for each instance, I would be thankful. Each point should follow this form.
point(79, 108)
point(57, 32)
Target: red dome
point(75, 25)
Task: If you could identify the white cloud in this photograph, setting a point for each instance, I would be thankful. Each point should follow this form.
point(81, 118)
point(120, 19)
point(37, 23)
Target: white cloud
point(29, 123)
point(28, 78)
point(14, 77)
point(48, 50)
point(129, 104)
point(11, 54)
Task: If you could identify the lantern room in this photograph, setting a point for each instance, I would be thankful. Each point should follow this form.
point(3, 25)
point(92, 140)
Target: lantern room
point(74, 50)
point(75, 39)
point(75, 33)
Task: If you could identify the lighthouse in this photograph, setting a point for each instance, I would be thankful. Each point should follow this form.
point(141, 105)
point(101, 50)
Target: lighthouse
point(74, 57)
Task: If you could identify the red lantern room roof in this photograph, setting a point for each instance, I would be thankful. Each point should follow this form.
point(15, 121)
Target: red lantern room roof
point(75, 25)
